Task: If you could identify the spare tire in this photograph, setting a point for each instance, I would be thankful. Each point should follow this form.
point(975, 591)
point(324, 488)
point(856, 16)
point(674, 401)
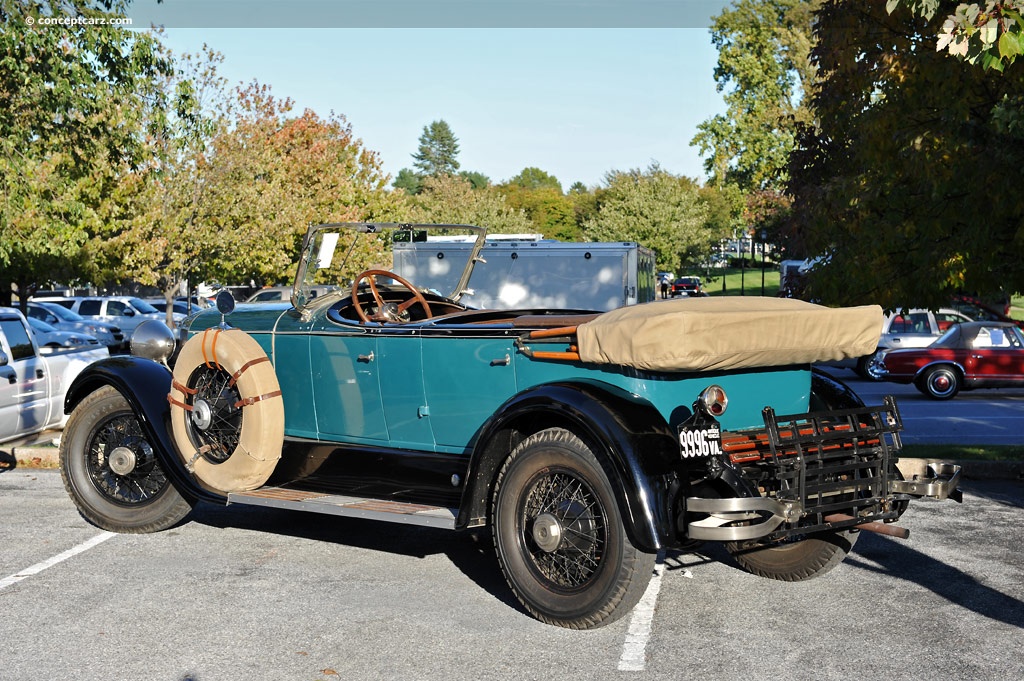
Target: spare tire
point(227, 416)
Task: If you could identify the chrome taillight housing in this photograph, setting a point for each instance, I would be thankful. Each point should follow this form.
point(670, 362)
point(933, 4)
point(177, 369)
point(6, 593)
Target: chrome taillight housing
point(714, 400)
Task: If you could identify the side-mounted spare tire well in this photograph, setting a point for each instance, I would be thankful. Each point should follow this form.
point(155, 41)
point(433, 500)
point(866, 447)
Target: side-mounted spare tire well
point(227, 416)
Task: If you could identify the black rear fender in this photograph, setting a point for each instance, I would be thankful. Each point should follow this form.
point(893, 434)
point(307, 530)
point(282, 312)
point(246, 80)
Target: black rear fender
point(629, 437)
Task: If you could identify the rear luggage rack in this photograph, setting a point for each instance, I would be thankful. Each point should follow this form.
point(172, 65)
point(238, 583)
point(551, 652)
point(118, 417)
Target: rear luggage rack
point(836, 461)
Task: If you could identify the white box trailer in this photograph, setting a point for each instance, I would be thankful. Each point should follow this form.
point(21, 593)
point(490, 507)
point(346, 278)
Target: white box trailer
point(531, 273)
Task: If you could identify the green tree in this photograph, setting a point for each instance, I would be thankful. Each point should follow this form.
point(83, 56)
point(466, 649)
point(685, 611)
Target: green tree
point(763, 70)
point(654, 208)
point(535, 178)
point(909, 191)
point(438, 151)
point(539, 195)
point(164, 239)
point(71, 133)
point(476, 179)
point(724, 215)
point(408, 181)
point(452, 199)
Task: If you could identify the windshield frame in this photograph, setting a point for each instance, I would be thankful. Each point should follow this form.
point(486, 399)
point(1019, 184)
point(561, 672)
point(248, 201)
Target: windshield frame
point(303, 302)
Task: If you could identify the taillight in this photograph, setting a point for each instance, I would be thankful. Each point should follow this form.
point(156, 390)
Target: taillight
point(714, 400)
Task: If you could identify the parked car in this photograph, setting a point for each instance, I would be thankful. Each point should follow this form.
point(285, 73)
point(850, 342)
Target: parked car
point(686, 286)
point(50, 339)
point(126, 312)
point(968, 356)
point(32, 384)
point(64, 319)
point(916, 328)
point(180, 307)
point(277, 294)
point(585, 441)
point(979, 311)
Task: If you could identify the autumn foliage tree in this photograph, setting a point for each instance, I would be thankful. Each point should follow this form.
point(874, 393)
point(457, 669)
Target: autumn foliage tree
point(71, 129)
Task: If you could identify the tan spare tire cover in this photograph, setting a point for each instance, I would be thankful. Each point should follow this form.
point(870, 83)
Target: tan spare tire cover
point(261, 434)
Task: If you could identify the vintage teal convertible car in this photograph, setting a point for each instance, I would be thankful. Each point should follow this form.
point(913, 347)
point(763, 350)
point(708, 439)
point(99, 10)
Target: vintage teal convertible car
point(585, 442)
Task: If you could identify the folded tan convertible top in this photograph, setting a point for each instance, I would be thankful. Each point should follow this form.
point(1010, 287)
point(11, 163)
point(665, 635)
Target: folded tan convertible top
point(702, 334)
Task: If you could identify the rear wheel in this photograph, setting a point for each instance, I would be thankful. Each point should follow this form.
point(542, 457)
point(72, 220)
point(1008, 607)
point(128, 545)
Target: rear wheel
point(559, 536)
point(797, 560)
point(940, 383)
point(111, 471)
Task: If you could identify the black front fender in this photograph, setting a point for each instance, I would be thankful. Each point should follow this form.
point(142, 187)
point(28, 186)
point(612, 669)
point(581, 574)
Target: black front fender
point(145, 384)
point(628, 435)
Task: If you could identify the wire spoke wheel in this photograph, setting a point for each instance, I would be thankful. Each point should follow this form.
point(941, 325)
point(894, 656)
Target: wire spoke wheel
point(112, 471)
point(562, 505)
point(121, 462)
point(215, 422)
point(559, 535)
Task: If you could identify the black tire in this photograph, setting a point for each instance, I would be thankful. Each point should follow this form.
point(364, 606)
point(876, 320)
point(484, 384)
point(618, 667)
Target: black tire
point(867, 367)
point(797, 560)
point(111, 471)
point(940, 382)
point(552, 490)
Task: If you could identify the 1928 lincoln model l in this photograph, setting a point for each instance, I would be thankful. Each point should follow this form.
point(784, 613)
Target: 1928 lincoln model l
point(586, 442)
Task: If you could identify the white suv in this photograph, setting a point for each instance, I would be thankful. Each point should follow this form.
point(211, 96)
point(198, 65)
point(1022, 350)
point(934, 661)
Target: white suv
point(126, 312)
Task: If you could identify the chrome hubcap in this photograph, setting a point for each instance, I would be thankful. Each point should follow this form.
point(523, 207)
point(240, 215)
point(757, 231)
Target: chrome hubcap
point(121, 460)
point(202, 414)
point(547, 532)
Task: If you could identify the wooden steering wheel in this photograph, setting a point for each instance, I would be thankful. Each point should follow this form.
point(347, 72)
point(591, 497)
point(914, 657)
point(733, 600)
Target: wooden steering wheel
point(386, 312)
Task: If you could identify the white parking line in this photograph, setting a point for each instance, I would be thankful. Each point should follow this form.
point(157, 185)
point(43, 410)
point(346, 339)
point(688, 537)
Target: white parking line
point(634, 649)
point(50, 562)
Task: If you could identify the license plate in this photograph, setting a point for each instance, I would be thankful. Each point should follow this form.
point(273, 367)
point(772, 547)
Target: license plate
point(695, 442)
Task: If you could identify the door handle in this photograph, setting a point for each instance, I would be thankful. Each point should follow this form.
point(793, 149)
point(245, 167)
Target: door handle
point(365, 359)
point(503, 362)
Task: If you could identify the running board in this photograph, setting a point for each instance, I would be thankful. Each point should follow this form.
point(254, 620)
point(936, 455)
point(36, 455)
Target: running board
point(353, 507)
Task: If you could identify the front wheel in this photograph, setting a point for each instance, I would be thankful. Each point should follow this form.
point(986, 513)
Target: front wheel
point(559, 536)
point(795, 560)
point(111, 471)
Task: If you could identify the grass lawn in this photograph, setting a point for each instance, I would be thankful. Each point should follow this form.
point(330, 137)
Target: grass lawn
point(1017, 307)
point(964, 452)
point(739, 282)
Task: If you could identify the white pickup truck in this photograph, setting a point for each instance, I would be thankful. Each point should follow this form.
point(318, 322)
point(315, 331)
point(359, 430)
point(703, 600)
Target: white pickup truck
point(32, 385)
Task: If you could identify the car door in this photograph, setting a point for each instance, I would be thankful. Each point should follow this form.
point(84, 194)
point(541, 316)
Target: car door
point(406, 409)
point(996, 356)
point(24, 392)
point(344, 369)
point(912, 330)
point(465, 381)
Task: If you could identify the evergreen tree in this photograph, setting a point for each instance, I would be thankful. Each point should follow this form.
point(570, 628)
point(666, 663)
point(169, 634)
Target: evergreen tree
point(437, 151)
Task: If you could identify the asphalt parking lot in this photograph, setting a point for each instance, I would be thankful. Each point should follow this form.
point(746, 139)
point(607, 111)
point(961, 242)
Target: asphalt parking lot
point(243, 593)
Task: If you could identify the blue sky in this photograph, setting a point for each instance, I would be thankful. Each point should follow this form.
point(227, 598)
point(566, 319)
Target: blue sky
point(574, 101)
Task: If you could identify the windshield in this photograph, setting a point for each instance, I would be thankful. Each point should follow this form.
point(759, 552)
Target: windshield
point(335, 254)
point(40, 325)
point(62, 313)
point(142, 306)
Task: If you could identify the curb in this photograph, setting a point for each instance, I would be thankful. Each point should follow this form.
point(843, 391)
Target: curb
point(48, 456)
point(36, 456)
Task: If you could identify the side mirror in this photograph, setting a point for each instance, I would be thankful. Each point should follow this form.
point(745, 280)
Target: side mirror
point(225, 302)
point(128, 312)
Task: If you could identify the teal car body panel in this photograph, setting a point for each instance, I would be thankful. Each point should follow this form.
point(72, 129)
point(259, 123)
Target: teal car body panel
point(423, 389)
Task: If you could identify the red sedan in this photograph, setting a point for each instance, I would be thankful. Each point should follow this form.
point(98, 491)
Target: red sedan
point(969, 355)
